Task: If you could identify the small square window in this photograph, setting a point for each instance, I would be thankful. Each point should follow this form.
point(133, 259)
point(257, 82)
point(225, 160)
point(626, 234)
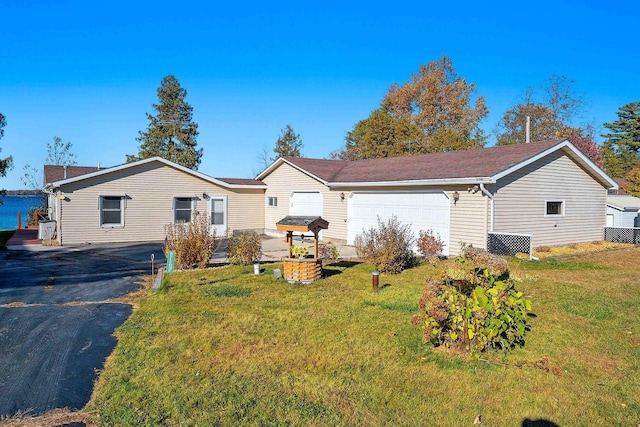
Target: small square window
point(272, 201)
point(555, 208)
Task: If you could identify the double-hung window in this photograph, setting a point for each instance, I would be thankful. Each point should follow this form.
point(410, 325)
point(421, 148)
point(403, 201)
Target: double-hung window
point(272, 202)
point(111, 211)
point(182, 209)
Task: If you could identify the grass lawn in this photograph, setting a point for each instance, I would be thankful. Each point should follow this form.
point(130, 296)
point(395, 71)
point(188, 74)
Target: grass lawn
point(5, 235)
point(225, 347)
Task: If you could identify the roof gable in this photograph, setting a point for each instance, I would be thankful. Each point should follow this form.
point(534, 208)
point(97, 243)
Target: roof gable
point(225, 182)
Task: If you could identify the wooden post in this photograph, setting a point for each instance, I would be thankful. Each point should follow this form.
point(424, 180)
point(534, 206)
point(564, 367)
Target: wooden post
point(290, 240)
point(315, 245)
point(19, 220)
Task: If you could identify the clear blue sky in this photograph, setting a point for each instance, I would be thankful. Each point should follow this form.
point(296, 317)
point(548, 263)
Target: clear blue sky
point(88, 71)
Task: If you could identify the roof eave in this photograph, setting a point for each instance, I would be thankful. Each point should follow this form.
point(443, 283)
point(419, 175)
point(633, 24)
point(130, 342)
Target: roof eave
point(413, 183)
point(57, 184)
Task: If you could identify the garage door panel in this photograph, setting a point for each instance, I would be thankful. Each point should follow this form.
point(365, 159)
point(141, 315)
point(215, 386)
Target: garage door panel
point(306, 203)
point(421, 210)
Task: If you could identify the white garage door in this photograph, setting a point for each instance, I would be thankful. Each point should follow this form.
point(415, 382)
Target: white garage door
point(305, 203)
point(422, 210)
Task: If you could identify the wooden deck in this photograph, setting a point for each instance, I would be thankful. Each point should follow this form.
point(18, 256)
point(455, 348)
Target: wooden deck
point(25, 236)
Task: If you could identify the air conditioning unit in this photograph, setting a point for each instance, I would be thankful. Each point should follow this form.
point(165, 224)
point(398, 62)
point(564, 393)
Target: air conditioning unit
point(46, 230)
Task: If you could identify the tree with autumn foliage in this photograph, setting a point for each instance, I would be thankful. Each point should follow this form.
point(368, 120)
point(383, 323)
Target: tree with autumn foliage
point(171, 133)
point(381, 135)
point(433, 111)
point(631, 185)
point(551, 114)
point(622, 147)
point(584, 140)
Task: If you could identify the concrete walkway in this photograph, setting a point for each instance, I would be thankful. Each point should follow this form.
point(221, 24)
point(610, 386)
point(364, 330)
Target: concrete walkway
point(276, 248)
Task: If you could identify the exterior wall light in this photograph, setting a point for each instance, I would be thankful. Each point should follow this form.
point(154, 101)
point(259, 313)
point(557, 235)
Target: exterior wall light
point(456, 197)
point(342, 196)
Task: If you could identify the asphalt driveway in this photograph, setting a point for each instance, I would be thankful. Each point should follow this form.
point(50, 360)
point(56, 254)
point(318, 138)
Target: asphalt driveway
point(57, 320)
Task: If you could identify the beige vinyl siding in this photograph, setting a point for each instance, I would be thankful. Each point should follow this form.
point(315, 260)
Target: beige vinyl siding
point(150, 189)
point(286, 179)
point(520, 202)
point(469, 220)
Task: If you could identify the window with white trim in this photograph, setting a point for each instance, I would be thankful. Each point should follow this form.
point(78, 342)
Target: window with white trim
point(272, 202)
point(111, 211)
point(182, 209)
point(554, 208)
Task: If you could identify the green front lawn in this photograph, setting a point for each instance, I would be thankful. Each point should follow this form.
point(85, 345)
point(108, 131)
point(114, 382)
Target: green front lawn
point(225, 347)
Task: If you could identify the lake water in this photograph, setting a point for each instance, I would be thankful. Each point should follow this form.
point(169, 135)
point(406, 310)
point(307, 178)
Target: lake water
point(10, 207)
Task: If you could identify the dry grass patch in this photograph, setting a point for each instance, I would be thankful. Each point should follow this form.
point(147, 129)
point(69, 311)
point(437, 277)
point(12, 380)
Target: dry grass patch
point(54, 418)
point(577, 248)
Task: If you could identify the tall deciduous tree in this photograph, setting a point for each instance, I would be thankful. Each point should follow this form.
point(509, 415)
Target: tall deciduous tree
point(622, 147)
point(632, 182)
point(436, 99)
point(7, 163)
point(288, 144)
point(551, 115)
point(584, 140)
point(58, 153)
point(171, 133)
point(431, 112)
point(381, 135)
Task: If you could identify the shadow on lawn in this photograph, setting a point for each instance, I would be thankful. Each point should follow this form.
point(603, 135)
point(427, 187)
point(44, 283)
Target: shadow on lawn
point(338, 267)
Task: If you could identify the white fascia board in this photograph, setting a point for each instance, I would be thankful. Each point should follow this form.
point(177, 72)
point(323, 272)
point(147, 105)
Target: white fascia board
point(149, 160)
point(413, 183)
point(596, 170)
point(269, 168)
point(281, 160)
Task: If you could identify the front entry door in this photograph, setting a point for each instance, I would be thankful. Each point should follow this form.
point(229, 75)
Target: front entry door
point(218, 209)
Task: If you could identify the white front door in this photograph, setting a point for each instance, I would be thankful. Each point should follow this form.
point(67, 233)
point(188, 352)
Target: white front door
point(218, 214)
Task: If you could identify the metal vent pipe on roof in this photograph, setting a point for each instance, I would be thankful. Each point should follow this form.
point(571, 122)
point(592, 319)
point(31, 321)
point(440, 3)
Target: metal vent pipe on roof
point(527, 132)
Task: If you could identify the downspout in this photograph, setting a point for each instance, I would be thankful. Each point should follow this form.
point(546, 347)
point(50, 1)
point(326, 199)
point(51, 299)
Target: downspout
point(490, 196)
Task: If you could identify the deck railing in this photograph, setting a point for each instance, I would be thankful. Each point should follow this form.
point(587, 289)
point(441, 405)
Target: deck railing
point(509, 243)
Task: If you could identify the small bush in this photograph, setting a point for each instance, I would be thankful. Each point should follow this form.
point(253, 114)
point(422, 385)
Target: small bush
point(328, 251)
point(194, 243)
point(387, 246)
point(429, 245)
point(244, 248)
point(473, 305)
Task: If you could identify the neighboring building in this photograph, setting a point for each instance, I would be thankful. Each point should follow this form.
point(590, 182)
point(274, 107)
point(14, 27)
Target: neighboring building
point(549, 190)
point(134, 202)
point(623, 211)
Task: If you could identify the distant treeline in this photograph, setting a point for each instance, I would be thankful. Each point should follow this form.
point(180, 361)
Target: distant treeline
point(25, 193)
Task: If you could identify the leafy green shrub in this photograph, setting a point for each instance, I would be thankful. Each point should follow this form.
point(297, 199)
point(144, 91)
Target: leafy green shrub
point(473, 305)
point(244, 248)
point(387, 246)
point(327, 251)
point(194, 242)
point(429, 244)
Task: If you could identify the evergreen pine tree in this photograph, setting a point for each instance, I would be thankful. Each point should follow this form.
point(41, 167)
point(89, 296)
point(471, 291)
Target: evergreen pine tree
point(622, 147)
point(171, 133)
point(288, 144)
